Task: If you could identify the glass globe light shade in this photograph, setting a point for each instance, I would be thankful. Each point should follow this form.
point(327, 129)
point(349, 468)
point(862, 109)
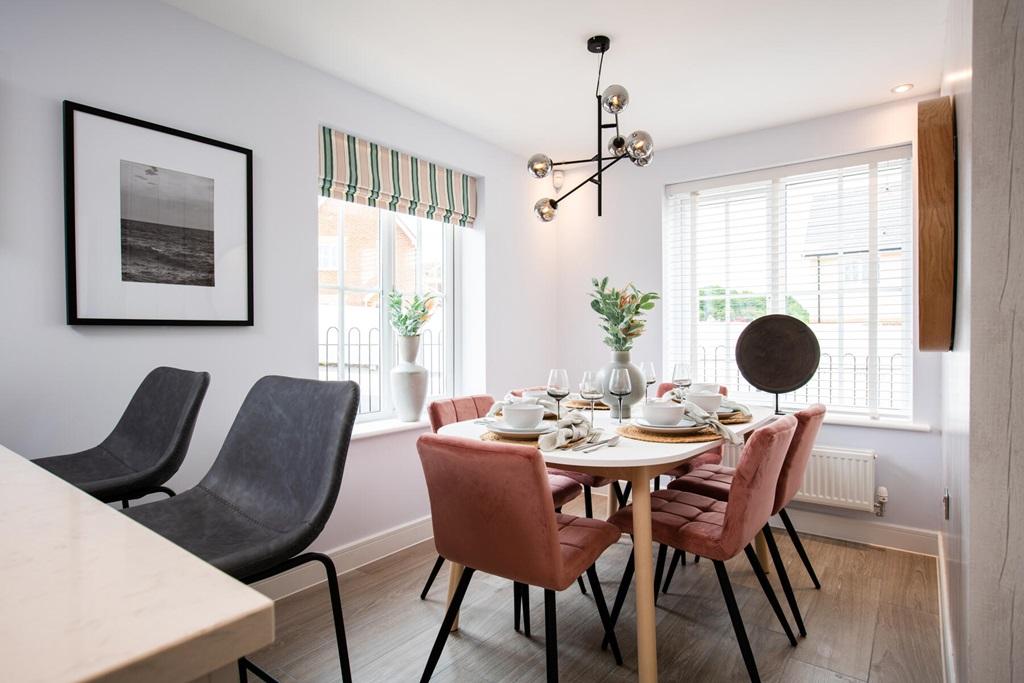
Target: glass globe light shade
point(643, 161)
point(617, 146)
point(614, 99)
point(539, 165)
point(545, 209)
point(639, 144)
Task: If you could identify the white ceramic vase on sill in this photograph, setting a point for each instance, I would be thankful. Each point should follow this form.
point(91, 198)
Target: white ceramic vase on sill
point(408, 381)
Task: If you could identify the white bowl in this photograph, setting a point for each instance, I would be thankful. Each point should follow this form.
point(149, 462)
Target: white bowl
point(707, 400)
point(704, 388)
point(523, 415)
point(664, 413)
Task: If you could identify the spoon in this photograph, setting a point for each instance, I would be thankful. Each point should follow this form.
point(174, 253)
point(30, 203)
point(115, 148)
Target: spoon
point(610, 442)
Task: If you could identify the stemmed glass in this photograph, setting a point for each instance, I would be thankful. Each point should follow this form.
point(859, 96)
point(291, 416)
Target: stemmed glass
point(620, 386)
point(681, 376)
point(558, 388)
point(591, 390)
point(650, 377)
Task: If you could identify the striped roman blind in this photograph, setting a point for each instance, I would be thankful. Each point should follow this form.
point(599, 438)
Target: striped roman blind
point(363, 172)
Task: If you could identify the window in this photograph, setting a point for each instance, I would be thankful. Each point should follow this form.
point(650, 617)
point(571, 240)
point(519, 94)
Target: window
point(365, 252)
point(829, 242)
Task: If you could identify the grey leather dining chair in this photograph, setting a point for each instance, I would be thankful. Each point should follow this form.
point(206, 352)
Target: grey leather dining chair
point(148, 443)
point(270, 491)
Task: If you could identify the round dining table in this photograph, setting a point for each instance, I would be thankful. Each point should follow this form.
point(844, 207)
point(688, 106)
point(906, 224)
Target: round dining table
point(638, 462)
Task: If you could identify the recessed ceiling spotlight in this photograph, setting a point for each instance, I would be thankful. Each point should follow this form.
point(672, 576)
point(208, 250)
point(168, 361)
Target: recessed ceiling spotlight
point(902, 88)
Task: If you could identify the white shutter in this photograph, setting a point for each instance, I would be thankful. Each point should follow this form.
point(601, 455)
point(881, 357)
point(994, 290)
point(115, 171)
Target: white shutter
point(829, 242)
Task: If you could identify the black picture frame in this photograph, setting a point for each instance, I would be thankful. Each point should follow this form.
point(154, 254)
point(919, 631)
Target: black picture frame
point(70, 108)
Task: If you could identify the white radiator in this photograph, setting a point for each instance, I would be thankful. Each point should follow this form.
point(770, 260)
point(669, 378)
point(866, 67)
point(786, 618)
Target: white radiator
point(837, 477)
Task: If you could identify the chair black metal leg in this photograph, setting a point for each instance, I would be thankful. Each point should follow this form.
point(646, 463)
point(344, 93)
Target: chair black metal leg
point(602, 610)
point(332, 585)
point(579, 582)
point(620, 596)
point(737, 622)
point(787, 587)
point(659, 569)
point(124, 504)
point(433, 575)
point(588, 502)
point(799, 547)
point(165, 490)
point(551, 635)
point(516, 599)
point(245, 667)
point(769, 592)
point(524, 602)
point(446, 624)
point(625, 493)
point(657, 483)
point(677, 557)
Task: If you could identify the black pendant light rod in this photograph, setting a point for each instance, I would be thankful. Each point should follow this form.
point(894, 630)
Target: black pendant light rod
point(582, 161)
point(590, 179)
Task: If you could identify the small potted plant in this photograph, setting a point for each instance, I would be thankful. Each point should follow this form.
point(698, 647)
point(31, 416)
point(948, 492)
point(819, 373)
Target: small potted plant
point(409, 380)
point(622, 314)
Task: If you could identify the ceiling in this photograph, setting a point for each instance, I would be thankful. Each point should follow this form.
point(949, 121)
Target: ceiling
point(518, 74)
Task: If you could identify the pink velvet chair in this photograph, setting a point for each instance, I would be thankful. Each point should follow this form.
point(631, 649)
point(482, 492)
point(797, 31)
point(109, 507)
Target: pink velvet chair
point(717, 481)
point(450, 410)
point(720, 530)
point(491, 510)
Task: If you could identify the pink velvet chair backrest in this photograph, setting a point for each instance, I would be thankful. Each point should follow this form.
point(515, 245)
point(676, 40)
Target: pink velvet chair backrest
point(808, 423)
point(753, 486)
point(491, 507)
point(449, 410)
point(666, 387)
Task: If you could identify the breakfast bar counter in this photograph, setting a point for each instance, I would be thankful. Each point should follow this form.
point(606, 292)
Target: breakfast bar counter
point(86, 594)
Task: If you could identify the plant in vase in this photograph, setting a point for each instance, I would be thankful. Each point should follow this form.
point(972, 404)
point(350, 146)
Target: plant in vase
point(409, 380)
point(622, 314)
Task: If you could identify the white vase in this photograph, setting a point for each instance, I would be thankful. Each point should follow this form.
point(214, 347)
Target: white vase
point(408, 381)
point(620, 359)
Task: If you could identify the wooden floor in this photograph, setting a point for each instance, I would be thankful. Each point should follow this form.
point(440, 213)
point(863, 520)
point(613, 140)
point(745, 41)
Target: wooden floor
point(874, 619)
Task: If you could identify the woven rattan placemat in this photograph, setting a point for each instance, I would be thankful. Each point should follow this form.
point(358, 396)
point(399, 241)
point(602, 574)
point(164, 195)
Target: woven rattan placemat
point(491, 436)
point(631, 432)
point(581, 405)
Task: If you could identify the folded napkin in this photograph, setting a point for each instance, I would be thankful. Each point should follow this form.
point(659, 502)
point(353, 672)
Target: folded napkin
point(705, 419)
point(678, 396)
point(570, 428)
point(550, 407)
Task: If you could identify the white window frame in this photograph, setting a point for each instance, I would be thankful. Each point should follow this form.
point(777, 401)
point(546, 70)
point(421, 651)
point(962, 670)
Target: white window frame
point(388, 358)
point(776, 302)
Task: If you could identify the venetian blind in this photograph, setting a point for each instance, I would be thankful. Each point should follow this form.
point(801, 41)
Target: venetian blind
point(829, 242)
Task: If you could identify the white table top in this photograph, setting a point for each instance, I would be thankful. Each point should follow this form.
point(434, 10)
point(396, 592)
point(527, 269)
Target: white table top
point(628, 452)
point(88, 594)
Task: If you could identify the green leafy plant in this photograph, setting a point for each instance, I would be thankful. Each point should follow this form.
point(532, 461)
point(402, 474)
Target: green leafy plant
point(622, 312)
point(408, 317)
point(744, 305)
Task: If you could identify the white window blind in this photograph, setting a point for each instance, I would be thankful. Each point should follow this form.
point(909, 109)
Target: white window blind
point(829, 242)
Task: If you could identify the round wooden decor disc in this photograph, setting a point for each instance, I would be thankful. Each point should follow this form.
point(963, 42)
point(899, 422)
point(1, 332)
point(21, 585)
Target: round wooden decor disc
point(777, 353)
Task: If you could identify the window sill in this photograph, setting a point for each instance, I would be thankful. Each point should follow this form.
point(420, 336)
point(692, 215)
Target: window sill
point(867, 422)
point(372, 428)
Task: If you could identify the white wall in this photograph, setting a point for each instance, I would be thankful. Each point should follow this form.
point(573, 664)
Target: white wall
point(64, 387)
point(626, 245)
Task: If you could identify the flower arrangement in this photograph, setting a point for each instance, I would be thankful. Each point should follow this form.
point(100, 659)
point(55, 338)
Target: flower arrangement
point(408, 318)
point(622, 312)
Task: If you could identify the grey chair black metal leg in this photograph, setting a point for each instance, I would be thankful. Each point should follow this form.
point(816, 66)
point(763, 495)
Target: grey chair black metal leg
point(799, 547)
point(143, 494)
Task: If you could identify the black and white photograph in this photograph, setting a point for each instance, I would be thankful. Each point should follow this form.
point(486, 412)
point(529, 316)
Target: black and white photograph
point(158, 223)
point(167, 231)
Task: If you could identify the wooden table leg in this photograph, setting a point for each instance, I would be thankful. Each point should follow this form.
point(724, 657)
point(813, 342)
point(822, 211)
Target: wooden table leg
point(761, 548)
point(646, 634)
point(454, 574)
point(613, 501)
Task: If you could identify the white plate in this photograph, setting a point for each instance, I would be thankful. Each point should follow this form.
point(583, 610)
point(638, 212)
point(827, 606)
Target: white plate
point(685, 426)
point(505, 429)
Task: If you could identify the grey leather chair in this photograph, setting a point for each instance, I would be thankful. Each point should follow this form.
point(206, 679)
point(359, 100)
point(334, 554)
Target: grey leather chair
point(271, 489)
point(148, 443)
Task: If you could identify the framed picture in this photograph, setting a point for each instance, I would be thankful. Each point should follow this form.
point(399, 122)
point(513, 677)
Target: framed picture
point(158, 222)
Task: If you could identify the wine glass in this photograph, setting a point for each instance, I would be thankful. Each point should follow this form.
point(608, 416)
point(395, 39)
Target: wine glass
point(558, 388)
point(620, 386)
point(591, 390)
point(681, 376)
point(650, 377)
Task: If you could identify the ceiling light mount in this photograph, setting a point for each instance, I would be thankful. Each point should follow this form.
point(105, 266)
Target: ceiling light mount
point(638, 146)
point(902, 88)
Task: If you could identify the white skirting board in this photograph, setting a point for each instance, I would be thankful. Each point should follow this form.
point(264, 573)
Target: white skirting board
point(945, 623)
point(348, 557)
point(867, 531)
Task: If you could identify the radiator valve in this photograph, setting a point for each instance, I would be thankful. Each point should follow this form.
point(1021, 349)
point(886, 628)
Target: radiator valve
point(881, 498)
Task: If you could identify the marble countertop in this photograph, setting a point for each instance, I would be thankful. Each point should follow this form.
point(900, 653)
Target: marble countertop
point(86, 594)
